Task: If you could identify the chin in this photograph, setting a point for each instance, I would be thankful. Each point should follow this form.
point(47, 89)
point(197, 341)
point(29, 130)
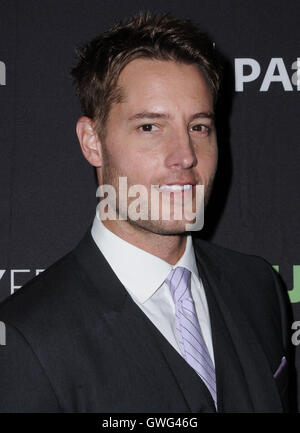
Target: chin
point(162, 227)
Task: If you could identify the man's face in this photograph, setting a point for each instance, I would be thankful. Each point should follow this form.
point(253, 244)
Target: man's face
point(161, 134)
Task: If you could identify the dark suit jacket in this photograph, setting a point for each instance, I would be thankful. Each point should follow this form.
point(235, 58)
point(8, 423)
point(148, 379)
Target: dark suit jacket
point(77, 342)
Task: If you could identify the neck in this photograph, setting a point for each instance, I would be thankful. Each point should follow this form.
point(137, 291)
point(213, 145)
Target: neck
point(169, 248)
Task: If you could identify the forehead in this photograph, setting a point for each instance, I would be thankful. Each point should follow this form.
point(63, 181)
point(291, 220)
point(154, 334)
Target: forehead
point(166, 82)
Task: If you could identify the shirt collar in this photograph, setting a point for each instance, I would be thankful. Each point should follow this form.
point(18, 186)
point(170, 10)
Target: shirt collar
point(140, 272)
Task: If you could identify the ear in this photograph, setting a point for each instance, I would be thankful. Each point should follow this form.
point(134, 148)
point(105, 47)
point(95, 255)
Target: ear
point(89, 141)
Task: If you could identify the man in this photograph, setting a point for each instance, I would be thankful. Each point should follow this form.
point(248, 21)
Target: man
point(142, 316)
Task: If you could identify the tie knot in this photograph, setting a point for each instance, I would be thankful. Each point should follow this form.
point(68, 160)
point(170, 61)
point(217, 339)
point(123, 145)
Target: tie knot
point(179, 283)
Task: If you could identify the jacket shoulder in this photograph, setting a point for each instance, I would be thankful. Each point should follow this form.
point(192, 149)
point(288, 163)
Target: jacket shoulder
point(253, 282)
point(44, 295)
point(232, 260)
point(252, 279)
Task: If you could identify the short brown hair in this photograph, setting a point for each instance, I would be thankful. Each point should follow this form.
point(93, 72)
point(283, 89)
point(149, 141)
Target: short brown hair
point(157, 37)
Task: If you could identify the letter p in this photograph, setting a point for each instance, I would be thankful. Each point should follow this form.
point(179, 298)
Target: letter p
point(239, 70)
point(2, 334)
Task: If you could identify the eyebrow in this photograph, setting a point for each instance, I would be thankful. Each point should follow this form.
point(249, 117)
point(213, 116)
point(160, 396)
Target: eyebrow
point(207, 115)
point(153, 115)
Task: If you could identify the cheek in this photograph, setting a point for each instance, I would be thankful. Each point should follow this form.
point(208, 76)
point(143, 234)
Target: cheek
point(142, 169)
point(136, 166)
point(207, 162)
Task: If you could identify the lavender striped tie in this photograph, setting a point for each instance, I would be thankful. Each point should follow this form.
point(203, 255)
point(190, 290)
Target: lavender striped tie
point(188, 330)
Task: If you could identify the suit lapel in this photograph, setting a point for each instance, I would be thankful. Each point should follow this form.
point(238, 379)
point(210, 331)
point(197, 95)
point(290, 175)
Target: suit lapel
point(244, 377)
point(156, 362)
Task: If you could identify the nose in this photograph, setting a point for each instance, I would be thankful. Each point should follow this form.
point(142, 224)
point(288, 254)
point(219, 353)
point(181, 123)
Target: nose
point(181, 153)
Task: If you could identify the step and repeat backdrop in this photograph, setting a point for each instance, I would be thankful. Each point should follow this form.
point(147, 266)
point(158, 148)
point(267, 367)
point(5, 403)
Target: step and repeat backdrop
point(48, 190)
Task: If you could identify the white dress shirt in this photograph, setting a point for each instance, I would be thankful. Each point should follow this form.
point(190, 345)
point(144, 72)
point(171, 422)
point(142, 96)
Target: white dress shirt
point(143, 276)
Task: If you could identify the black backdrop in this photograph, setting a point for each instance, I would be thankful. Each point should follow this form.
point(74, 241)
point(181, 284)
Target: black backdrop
point(48, 191)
